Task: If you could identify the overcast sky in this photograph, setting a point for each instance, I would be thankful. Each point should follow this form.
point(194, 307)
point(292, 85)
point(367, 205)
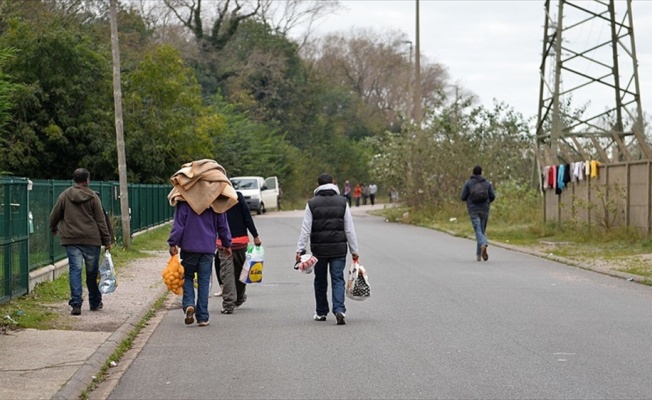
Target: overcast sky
point(492, 48)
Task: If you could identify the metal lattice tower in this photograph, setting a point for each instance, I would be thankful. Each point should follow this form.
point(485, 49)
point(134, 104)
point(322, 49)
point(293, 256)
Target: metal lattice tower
point(589, 97)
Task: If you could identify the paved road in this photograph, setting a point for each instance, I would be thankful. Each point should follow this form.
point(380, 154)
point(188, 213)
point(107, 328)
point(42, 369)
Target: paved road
point(438, 325)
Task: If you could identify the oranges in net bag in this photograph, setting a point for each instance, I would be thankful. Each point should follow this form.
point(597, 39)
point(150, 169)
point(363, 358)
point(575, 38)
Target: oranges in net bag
point(173, 275)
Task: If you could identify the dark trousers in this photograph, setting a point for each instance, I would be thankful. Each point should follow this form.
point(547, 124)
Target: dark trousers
point(372, 198)
point(233, 293)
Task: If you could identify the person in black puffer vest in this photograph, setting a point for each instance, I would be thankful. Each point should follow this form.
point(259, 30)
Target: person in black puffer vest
point(329, 226)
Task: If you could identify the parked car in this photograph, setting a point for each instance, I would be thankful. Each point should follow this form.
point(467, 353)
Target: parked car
point(261, 194)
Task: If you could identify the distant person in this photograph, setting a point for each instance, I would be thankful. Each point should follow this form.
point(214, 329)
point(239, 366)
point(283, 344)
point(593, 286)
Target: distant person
point(328, 225)
point(365, 194)
point(357, 194)
point(479, 194)
point(241, 223)
point(347, 192)
point(201, 195)
point(373, 189)
point(79, 220)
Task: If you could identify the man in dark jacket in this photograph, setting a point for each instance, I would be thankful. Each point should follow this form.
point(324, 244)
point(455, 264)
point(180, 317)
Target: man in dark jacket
point(328, 224)
point(82, 231)
point(229, 268)
point(479, 194)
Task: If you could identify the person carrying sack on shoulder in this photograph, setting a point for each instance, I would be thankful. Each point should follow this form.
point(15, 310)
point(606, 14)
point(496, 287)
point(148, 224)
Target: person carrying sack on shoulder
point(479, 194)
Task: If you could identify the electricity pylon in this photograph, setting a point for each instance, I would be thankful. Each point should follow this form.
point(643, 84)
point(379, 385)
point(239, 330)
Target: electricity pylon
point(589, 96)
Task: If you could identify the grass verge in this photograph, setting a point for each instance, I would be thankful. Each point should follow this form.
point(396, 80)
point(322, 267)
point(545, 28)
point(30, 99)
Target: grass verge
point(36, 310)
point(619, 249)
point(123, 347)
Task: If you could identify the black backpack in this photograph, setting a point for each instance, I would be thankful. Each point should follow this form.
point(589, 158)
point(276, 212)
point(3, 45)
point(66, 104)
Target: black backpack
point(479, 192)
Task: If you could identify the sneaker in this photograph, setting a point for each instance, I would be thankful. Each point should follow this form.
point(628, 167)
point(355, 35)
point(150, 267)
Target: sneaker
point(319, 317)
point(478, 258)
point(190, 315)
point(202, 323)
point(340, 317)
point(76, 310)
point(220, 291)
point(483, 251)
point(98, 308)
point(225, 311)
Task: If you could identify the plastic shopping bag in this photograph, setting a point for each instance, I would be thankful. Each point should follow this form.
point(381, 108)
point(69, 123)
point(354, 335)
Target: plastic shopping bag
point(306, 264)
point(252, 270)
point(173, 275)
point(107, 280)
point(195, 283)
point(357, 284)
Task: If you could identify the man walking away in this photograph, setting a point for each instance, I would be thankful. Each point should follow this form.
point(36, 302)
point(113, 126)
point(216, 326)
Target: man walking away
point(479, 194)
point(347, 192)
point(372, 193)
point(328, 224)
point(240, 221)
point(82, 232)
point(201, 196)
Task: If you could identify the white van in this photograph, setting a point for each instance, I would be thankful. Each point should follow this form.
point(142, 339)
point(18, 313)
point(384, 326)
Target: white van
point(261, 194)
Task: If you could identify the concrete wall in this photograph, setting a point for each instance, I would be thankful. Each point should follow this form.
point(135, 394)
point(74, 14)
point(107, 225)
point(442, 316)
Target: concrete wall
point(619, 196)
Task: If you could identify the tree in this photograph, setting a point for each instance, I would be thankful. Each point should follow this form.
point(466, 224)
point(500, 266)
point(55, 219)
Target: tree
point(227, 17)
point(60, 106)
point(6, 89)
point(286, 16)
point(378, 68)
point(432, 163)
point(166, 124)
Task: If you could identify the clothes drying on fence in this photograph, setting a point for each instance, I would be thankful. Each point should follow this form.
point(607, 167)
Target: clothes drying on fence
point(558, 177)
point(203, 184)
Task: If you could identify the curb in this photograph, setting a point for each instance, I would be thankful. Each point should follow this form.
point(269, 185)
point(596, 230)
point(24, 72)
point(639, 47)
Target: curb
point(524, 250)
point(572, 263)
point(85, 375)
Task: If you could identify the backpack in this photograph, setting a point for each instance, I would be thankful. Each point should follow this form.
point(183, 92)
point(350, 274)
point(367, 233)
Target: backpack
point(479, 193)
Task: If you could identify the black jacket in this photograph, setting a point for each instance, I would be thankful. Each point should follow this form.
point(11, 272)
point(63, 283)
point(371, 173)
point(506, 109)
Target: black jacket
point(466, 190)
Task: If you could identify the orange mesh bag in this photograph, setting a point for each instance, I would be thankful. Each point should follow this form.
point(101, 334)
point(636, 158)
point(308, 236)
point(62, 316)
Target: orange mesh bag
point(173, 275)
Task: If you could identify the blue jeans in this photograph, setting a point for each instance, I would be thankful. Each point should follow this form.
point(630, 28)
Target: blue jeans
point(202, 264)
point(479, 221)
point(78, 255)
point(336, 267)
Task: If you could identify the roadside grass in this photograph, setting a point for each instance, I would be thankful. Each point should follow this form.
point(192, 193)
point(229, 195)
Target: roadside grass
point(522, 225)
point(37, 309)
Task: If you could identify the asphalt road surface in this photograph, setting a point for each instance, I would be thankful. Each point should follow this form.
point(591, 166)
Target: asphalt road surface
point(438, 325)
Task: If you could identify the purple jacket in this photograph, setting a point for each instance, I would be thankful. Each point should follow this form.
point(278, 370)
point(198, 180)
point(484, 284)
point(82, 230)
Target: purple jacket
point(197, 233)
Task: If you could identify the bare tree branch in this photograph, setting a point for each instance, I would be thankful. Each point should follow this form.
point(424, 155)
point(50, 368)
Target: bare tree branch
point(285, 16)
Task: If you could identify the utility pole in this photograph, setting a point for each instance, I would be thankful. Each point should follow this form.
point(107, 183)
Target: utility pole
point(590, 71)
point(117, 99)
point(409, 111)
point(417, 71)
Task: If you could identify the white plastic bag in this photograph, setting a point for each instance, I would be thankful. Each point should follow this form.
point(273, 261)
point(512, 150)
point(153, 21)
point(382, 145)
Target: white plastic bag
point(306, 264)
point(252, 270)
point(108, 281)
point(357, 284)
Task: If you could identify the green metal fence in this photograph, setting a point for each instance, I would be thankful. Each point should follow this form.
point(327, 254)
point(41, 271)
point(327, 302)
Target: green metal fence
point(25, 239)
point(14, 237)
